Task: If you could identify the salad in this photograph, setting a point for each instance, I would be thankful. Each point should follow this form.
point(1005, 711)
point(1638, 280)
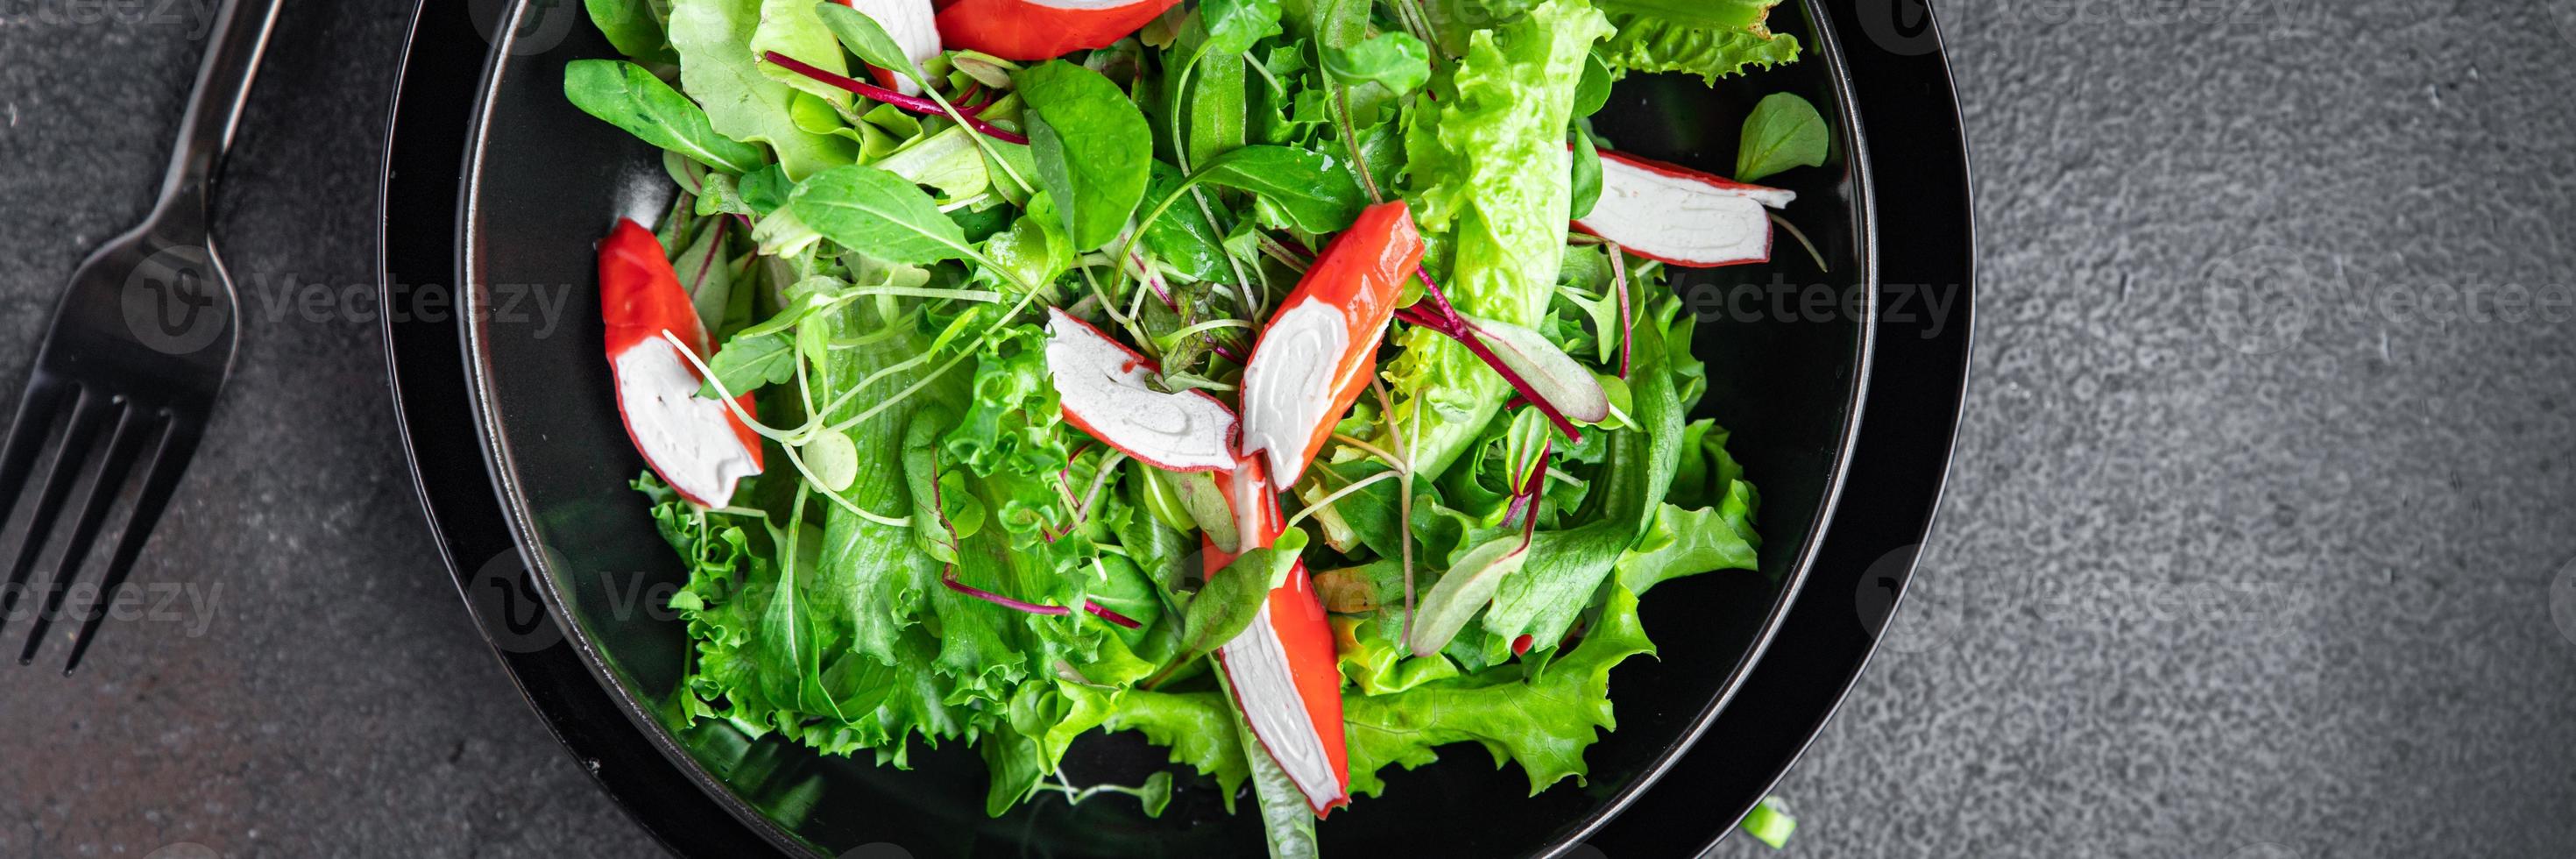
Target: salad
point(1288, 381)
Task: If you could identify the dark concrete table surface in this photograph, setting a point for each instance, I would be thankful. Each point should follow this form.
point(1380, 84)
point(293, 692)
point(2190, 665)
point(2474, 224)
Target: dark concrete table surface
point(2253, 548)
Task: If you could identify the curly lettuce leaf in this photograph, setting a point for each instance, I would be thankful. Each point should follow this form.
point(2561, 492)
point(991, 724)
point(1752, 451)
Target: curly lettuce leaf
point(1651, 43)
point(1490, 181)
point(1543, 722)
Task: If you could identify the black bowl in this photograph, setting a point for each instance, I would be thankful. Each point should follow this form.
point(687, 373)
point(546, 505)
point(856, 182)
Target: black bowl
point(495, 183)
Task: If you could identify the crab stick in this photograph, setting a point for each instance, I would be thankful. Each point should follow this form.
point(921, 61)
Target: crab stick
point(1042, 29)
point(1282, 668)
point(1316, 355)
point(1101, 384)
point(1680, 216)
point(697, 445)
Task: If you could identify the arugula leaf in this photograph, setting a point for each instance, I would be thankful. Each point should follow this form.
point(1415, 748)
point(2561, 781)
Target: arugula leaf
point(1091, 146)
point(627, 96)
point(750, 362)
point(741, 101)
point(1783, 131)
point(878, 213)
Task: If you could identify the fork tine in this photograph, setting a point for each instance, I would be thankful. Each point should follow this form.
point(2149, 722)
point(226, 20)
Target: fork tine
point(160, 479)
point(27, 435)
point(68, 461)
point(132, 425)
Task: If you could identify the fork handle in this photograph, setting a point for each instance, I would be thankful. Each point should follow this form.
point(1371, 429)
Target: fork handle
point(233, 49)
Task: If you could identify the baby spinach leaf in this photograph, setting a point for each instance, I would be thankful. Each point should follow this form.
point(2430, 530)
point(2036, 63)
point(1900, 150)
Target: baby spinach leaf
point(1783, 131)
point(1091, 145)
point(627, 96)
point(879, 213)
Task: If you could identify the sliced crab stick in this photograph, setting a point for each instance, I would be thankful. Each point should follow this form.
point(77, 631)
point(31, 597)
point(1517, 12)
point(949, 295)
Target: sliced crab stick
point(1680, 216)
point(1042, 29)
point(1101, 384)
point(697, 445)
point(911, 24)
point(1315, 357)
point(1282, 667)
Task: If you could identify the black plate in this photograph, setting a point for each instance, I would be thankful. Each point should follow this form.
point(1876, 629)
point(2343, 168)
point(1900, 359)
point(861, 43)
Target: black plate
point(1844, 420)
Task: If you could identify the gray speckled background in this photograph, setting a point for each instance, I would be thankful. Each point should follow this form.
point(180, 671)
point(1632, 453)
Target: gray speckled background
point(2251, 549)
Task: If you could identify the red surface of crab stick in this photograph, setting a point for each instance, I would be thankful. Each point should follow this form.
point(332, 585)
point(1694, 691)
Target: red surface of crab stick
point(1282, 667)
point(1042, 29)
point(697, 445)
point(1316, 355)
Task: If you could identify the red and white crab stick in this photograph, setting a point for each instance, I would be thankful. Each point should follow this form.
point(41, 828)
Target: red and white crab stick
point(697, 445)
point(1680, 216)
point(1282, 667)
point(911, 24)
point(1101, 384)
point(1042, 29)
point(1316, 355)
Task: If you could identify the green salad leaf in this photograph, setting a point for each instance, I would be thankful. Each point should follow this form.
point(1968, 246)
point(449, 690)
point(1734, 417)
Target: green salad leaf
point(741, 101)
point(627, 96)
point(1091, 145)
point(1783, 131)
point(1489, 178)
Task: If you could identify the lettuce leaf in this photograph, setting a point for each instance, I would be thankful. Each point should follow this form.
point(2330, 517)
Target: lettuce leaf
point(1544, 722)
point(1490, 181)
point(718, 69)
point(1649, 43)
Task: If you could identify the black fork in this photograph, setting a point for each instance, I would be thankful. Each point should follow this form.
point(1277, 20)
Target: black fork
point(137, 352)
